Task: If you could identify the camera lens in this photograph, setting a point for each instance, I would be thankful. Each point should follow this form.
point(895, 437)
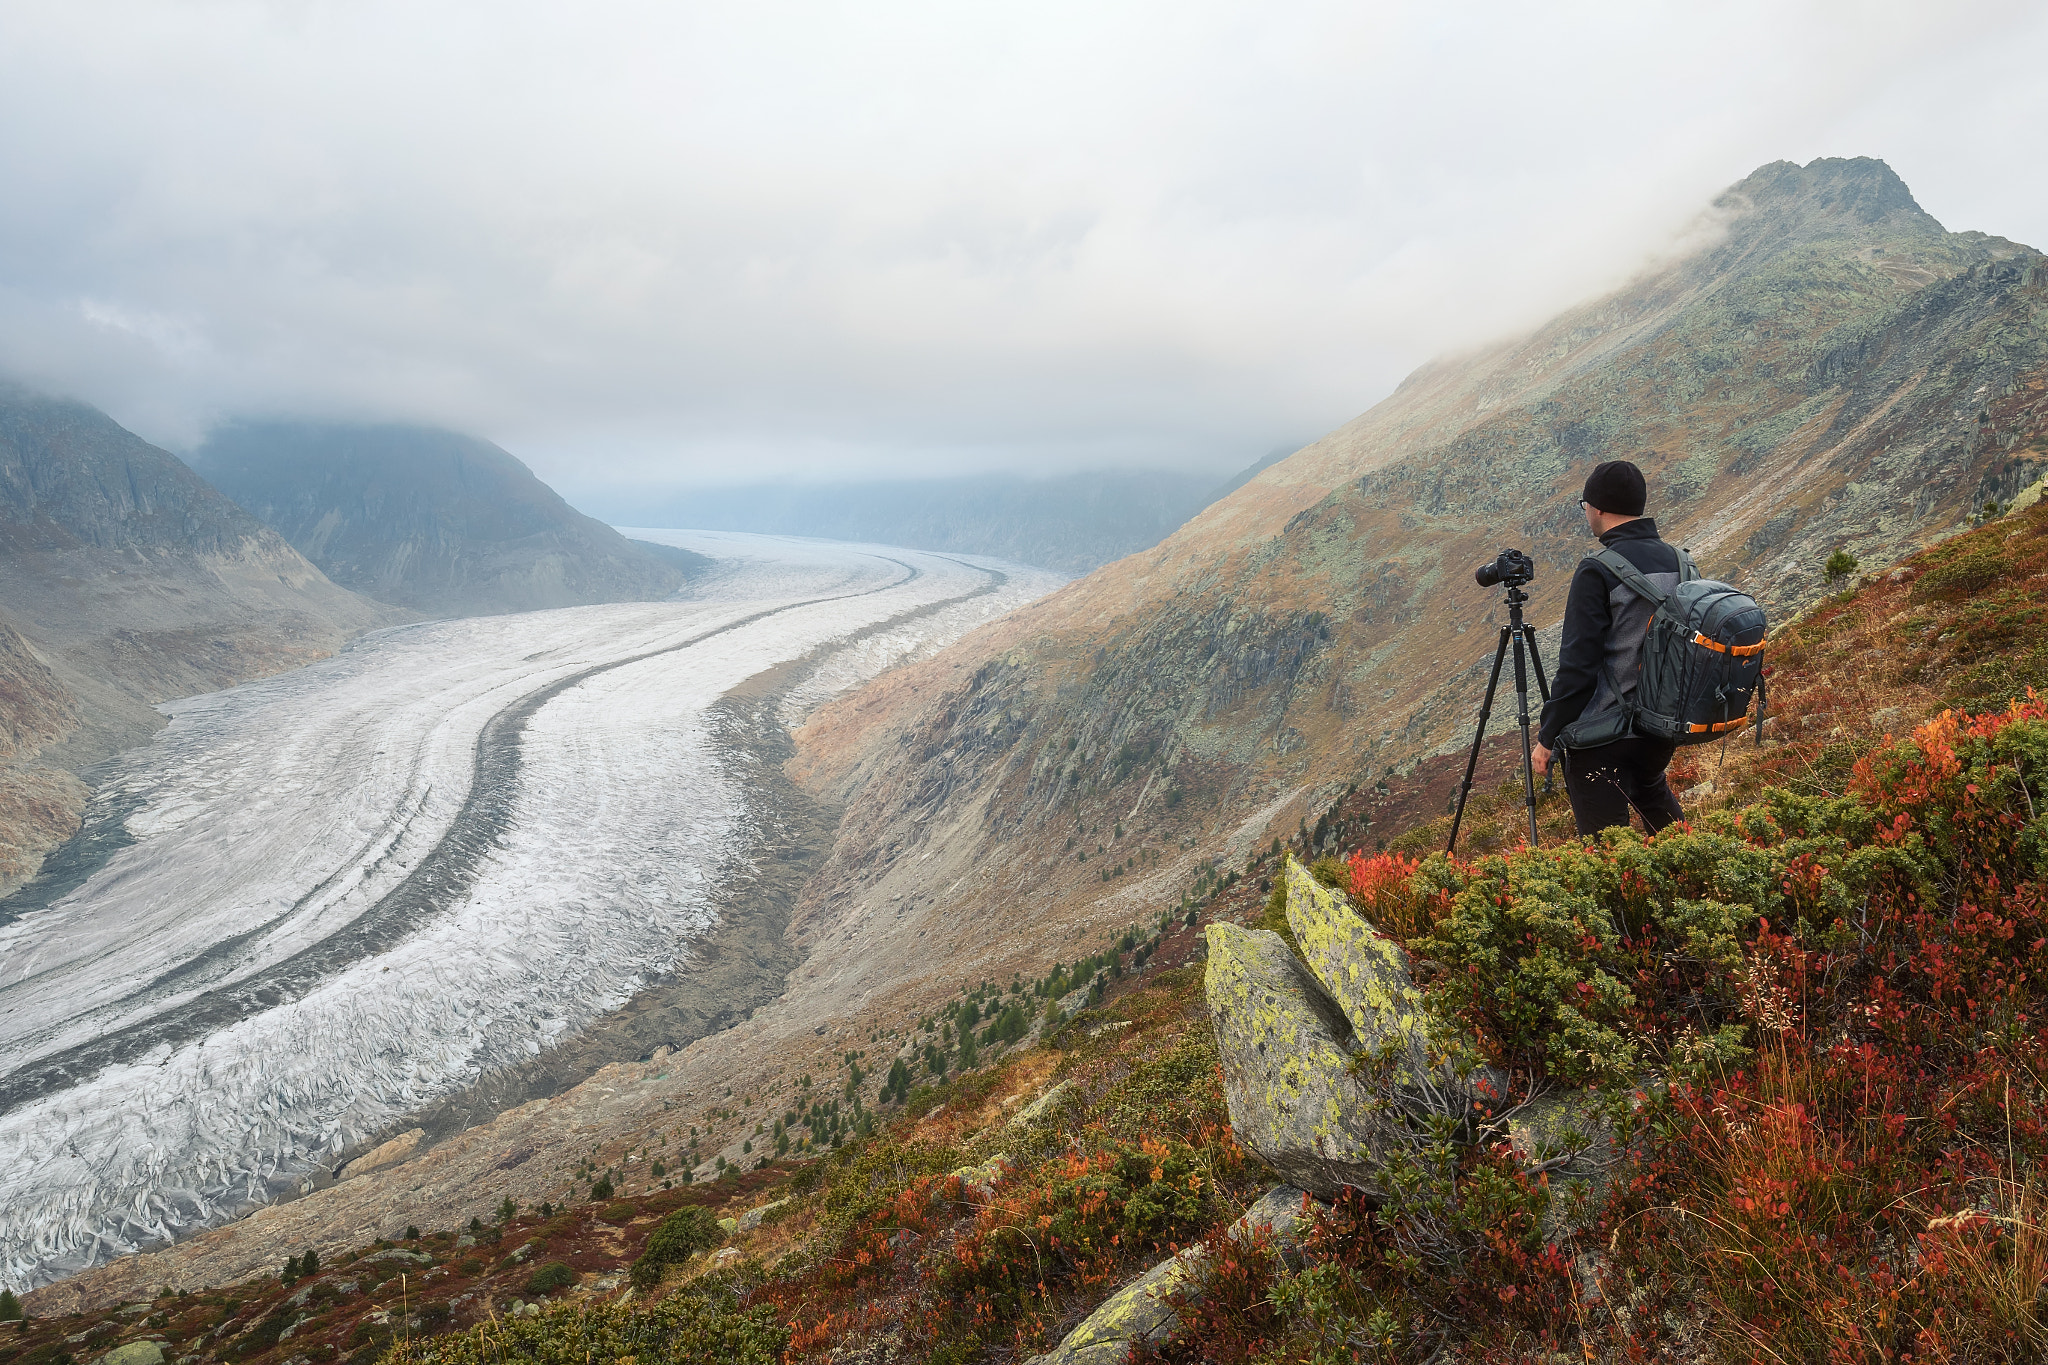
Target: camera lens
point(1487, 574)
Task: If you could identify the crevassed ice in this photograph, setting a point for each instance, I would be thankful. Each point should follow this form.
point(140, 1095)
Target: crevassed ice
point(269, 818)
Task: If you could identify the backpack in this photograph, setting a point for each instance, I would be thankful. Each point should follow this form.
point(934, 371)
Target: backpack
point(1702, 659)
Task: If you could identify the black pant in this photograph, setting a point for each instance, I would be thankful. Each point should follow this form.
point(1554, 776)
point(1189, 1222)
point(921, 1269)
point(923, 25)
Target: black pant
point(1604, 782)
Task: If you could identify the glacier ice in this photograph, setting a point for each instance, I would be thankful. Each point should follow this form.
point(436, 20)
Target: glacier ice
point(230, 1000)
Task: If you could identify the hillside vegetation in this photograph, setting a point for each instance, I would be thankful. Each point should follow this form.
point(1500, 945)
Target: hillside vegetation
point(1807, 1017)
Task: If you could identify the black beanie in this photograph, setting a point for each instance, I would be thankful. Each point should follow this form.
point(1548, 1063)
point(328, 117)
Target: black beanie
point(1616, 486)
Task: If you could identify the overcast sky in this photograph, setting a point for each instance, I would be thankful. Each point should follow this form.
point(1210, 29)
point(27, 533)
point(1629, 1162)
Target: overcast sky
point(664, 243)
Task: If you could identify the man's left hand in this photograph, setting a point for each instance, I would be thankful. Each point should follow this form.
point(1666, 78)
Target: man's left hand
point(1540, 756)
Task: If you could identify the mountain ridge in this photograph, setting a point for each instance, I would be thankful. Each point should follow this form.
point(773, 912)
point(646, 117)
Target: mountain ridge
point(1835, 371)
point(428, 520)
point(126, 580)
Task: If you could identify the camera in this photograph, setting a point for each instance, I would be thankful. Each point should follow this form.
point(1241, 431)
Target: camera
point(1511, 567)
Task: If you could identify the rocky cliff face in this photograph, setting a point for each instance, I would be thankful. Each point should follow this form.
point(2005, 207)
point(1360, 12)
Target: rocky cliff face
point(1834, 370)
point(433, 521)
point(125, 580)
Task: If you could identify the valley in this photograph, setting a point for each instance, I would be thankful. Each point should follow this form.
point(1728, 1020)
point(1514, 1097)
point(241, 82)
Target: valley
point(321, 902)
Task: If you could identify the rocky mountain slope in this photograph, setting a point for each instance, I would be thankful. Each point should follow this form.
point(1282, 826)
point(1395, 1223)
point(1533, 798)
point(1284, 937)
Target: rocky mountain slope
point(432, 521)
point(1833, 370)
point(125, 580)
point(900, 1197)
point(1072, 523)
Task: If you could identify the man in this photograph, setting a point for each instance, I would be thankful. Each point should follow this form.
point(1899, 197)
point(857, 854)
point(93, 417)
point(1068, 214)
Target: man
point(1604, 626)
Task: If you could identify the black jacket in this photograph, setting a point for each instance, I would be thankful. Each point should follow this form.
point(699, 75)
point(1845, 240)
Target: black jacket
point(1604, 624)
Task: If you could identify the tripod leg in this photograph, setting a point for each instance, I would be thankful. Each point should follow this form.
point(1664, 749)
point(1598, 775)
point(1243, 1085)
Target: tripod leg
point(1536, 661)
point(1485, 710)
point(1528, 758)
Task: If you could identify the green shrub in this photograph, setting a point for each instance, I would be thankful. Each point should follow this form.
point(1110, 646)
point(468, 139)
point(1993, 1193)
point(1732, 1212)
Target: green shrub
point(549, 1277)
point(676, 1238)
point(1331, 872)
point(620, 1212)
point(602, 1189)
point(1975, 564)
point(685, 1329)
point(368, 1333)
point(1839, 566)
point(1008, 1026)
point(10, 1307)
point(881, 1172)
point(1546, 952)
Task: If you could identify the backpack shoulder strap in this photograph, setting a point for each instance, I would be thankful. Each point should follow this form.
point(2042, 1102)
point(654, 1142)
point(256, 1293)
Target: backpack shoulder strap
point(1686, 572)
point(1631, 577)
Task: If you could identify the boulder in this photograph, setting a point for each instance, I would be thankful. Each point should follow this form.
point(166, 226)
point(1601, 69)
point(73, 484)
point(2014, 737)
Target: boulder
point(1147, 1308)
point(1142, 1311)
point(1046, 1107)
point(135, 1353)
point(1570, 1141)
point(978, 1182)
point(1278, 1213)
point(751, 1219)
point(1367, 974)
point(1332, 1064)
point(1294, 1098)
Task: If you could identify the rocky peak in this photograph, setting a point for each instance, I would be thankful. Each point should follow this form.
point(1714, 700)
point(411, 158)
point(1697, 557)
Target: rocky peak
point(71, 476)
point(1784, 203)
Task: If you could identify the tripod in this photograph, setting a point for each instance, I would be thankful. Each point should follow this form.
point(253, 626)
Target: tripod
point(1524, 636)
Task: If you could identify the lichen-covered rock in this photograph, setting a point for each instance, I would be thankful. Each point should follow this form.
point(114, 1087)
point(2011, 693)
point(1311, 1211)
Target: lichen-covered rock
point(1332, 1063)
point(752, 1218)
point(1368, 975)
point(1143, 1310)
point(1569, 1138)
point(1278, 1213)
point(980, 1180)
point(1287, 1077)
point(134, 1353)
point(1146, 1309)
point(1046, 1107)
point(1364, 971)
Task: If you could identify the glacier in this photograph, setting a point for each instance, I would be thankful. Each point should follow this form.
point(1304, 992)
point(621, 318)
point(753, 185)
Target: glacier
point(340, 893)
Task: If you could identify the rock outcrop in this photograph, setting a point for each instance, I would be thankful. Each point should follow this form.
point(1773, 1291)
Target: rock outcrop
point(1332, 1066)
point(1148, 1308)
point(384, 1154)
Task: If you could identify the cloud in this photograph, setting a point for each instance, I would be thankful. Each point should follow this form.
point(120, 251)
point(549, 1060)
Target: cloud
point(650, 243)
